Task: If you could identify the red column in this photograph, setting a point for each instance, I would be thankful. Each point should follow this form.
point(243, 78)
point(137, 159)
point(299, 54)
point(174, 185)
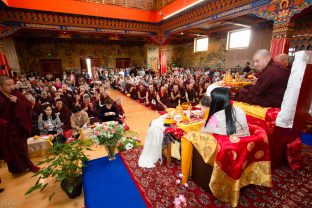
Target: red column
point(281, 37)
point(163, 59)
point(2, 72)
point(7, 68)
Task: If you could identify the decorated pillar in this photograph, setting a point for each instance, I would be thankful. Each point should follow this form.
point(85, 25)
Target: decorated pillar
point(163, 59)
point(281, 36)
point(161, 41)
point(281, 12)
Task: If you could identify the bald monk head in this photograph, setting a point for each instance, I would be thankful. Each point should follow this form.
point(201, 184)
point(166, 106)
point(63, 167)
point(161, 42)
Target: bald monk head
point(261, 59)
point(282, 59)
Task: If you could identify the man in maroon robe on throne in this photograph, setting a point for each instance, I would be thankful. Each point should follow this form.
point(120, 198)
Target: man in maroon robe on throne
point(15, 127)
point(270, 86)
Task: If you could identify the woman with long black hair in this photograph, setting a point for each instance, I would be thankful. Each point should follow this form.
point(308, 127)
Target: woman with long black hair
point(223, 118)
point(49, 122)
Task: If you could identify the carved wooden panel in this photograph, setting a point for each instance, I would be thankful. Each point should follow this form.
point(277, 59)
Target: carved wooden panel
point(140, 4)
point(162, 3)
point(108, 1)
point(131, 3)
point(120, 2)
point(52, 20)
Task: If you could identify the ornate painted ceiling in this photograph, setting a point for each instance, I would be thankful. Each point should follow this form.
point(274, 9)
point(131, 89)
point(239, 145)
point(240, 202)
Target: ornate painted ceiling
point(31, 17)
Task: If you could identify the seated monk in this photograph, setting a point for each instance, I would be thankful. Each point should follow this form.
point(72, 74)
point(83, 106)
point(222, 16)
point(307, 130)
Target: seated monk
point(119, 108)
point(182, 91)
point(103, 96)
point(223, 119)
point(175, 97)
point(162, 99)
point(88, 106)
point(141, 93)
point(190, 94)
point(282, 59)
point(133, 91)
point(64, 114)
point(270, 86)
point(151, 97)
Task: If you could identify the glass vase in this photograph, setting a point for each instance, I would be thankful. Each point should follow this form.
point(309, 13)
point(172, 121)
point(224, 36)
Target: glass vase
point(110, 148)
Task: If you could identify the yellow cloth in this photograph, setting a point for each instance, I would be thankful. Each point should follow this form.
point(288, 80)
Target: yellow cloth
point(226, 189)
point(186, 159)
point(196, 126)
point(204, 143)
point(252, 110)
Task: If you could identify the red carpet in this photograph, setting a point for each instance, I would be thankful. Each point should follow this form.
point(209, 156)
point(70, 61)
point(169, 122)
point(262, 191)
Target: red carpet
point(291, 189)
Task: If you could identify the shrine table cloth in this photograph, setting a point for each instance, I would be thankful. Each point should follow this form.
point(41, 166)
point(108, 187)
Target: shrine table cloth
point(237, 162)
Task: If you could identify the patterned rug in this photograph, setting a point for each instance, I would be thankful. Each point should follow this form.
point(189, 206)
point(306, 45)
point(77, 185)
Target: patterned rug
point(291, 189)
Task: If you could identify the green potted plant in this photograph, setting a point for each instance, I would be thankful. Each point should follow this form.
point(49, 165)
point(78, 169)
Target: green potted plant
point(64, 164)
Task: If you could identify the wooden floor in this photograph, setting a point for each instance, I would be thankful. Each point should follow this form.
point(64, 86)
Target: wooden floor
point(137, 117)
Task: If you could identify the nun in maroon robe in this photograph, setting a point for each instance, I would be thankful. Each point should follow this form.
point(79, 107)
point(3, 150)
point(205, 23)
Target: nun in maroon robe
point(15, 127)
point(269, 89)
point(142, 93)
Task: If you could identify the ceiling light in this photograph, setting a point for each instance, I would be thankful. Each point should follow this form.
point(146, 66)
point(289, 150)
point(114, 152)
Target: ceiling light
point(180, 10)
point(182, 33)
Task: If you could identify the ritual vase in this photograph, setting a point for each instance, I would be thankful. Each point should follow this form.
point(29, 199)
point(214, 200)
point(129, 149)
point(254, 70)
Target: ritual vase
point(110, 148)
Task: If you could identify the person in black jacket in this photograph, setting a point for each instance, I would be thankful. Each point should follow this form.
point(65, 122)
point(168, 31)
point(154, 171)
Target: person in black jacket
point(108, 112)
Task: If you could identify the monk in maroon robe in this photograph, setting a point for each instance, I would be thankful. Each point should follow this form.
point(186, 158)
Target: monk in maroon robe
point(151, 97)
point(162, 100)
point(142, 93)
point(270, 86)
point(134, 91)
point(175, 97)
point(15, 127)
point(64, 114)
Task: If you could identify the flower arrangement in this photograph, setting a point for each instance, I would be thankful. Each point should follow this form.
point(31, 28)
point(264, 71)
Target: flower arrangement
point(180, 200)
point(108, 133)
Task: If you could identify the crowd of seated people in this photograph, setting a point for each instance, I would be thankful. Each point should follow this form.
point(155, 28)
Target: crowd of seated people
point(62, 105)
point(166, 91)
point(76, 89)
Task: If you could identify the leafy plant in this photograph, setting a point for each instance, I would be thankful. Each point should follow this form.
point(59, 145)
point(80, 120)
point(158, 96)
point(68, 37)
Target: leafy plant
point(65, 161)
